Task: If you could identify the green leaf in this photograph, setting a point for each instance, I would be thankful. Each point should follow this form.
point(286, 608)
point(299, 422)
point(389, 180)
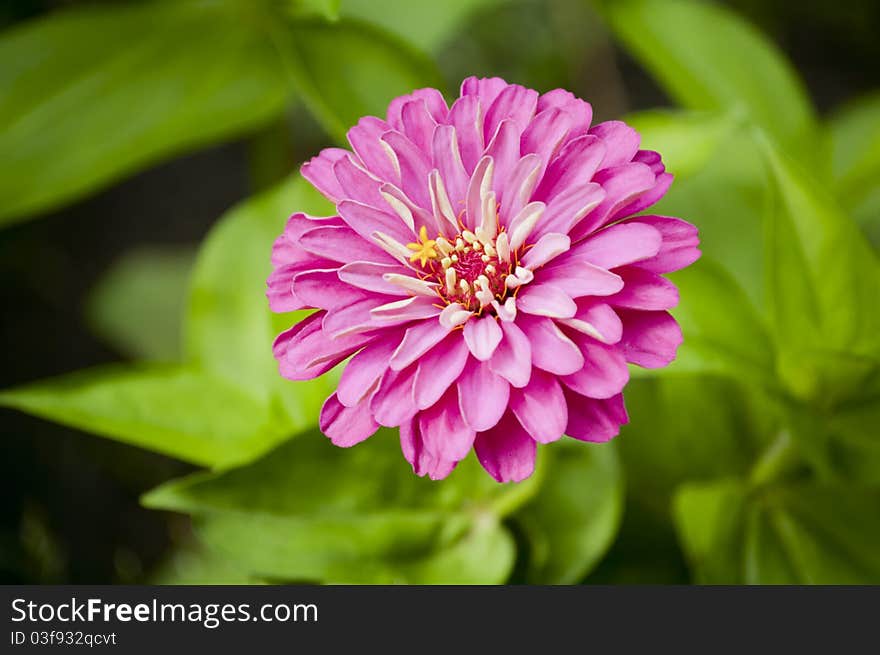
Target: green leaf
point(709, 520)
point(312, 511)
point(427, 25)
point(822, 303)
point(172, 410)
point(794, 534)
point(328, 9)
point(229, 328)
point(689, 428)
point(727, 200)
point(137, 306)
point(708, 58)
point(722, 331)
point(348, 70)
point(192, 565)
point(854, 135)
point(93, 94)
point(687, 140)
point(573, 519)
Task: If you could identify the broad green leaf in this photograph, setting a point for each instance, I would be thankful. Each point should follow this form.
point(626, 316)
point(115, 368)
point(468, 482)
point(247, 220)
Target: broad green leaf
point(708, 58)
point(192, 565)
point(312, 511)
point(823, 281)
point(328, 9)
point(137, 306)
point(229, 329)
point(854, 446)
point(709, 518)
point(348, 70)
point(727, 200)
point(689, 428)
point(169, 409)
point(91, 94)
point(426, 25)
point(687, 140)
point(308, 476)
point(792, 534)
point(574, 517)
point(722, 331)
point(854, 135)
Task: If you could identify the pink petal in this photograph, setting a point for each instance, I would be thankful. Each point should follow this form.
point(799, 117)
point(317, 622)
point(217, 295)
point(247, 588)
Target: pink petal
point(679, 247)
point(594, 420)
point(423, 462)
point(418, 124)
point(482, 336)
point(409, 309)
point(418, 340)
point(540, 407)
point(325, 290)
point(596, 319)
point(432, 98)
point(578, 278)
point(545, 300)
point(515, 102)
point(465, 118)
point(286, 249)
point(642, 201)
point(342, 244)
point(551, 349)
point(546, 133)
point(568, 208)
point(319, 171)
point(619, 245)
point(305, 351)
point(357, 184)
point(392, 404)
point(580, 111)
point(414, 168)
point(365, 220)
point(447, 160)
point(621, 140)
point(364, 370)
point(346, 426)
point(349, 319)
point(512, 360)
point(517, 190)
point(280, 288)
point(642, 290)
point(369, 276)
point(576, 163)
point(444, 432)
point(482, 395)
point(507, 452)
point(650, 339)
point(622, 185)
point(604, 373)
point(548, 247)
point(438, 369)
point(504, 150)
point(486, 88)
point(365, 140)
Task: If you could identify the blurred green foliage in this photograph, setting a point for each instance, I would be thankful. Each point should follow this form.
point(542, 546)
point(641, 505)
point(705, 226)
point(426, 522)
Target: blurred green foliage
point(754, 458)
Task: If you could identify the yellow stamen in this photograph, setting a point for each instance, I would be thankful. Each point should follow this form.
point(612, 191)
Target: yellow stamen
point(424, 248)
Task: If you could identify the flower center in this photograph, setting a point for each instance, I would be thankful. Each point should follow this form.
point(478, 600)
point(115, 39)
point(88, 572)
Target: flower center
point(471, 269)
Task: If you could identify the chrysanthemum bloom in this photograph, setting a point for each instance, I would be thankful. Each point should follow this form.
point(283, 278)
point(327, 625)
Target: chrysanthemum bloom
point(487, 270)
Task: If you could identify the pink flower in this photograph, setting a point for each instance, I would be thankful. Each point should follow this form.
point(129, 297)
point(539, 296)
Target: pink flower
point(487, 270)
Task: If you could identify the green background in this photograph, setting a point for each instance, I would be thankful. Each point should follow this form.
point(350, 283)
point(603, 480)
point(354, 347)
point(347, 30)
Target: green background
point(149, 155)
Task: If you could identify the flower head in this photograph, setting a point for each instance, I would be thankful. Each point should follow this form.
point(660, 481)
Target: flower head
point(489, 272)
